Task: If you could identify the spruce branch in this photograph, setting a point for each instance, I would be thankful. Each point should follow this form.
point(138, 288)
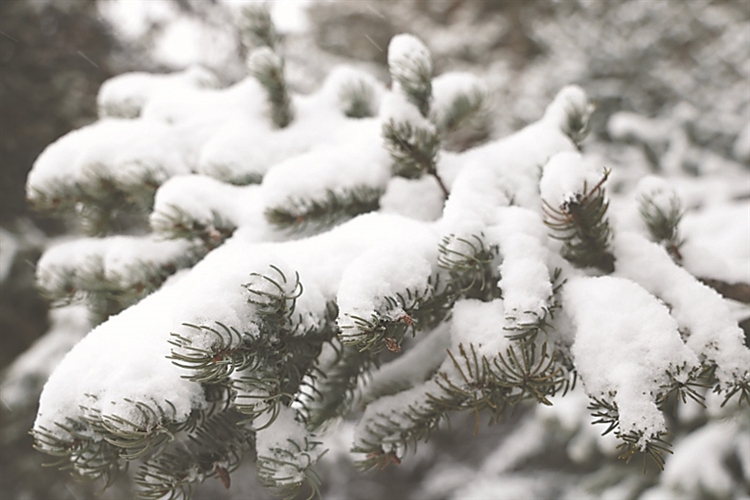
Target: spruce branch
point(357, 99)
point(414, 150)
point(605, 411)
point(471, 265)
point(412, 70)
point(174, 222)
point(411, 310)
point(527, 332)
point(285, 470)
point(466, 120)
point(256, 27)
point(653, 447)
point(581, 224)
point(662, 218)
point(215, 448)
point(268, 68)
point(318, 213)
point(333, 390)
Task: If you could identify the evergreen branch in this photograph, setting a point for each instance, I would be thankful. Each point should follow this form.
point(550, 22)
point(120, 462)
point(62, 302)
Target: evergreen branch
point(321, 213)
point(577, 124)
point(581, 224)
point(225, 173)
point(102, 203)
point(287, 469)
point(256, 27)
point(414, 150)
point(357, 99)
point(683, 385)
point(334, 388)
point(483, 384)
point(275, 298)
point(414, 76)
point(735, 291)
point(662, 222)
point(213, 449)
point(471, 266)
point(87, 458)
point(268, 68)
point(413, 309)
point(465, 122)
point(229, 352)
point(527, 332)
point(178, 223)
point(529, 373)
point(653, 447)
point(739, 387)
point(606, 412)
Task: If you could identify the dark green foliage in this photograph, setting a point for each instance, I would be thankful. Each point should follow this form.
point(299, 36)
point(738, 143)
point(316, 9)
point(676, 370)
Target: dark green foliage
point(472, 269)
point(410, 310)
point(528, 332)
point(414, 149)
point(415, 78)
point(321, 213)
point(177, 223)
point(465, 122)
point(582, 225)
point(492, 384)
point(285, 459)
point(256, 27)
point(336, 383)
point(268, 68)
point(663, 223)
point(357, 99)
point(213, 449)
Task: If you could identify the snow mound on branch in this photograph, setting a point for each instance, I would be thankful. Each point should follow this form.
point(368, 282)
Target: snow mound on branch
point(648, 345)
point(125, 95)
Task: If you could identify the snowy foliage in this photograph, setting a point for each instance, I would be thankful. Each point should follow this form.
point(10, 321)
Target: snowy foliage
point(532, 276)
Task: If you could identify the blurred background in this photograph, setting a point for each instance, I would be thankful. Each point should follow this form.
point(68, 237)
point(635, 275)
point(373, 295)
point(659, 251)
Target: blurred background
point(681, 66)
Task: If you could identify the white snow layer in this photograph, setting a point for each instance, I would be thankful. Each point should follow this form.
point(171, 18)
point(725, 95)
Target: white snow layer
point(128, 153)
point(125, 95)
point(647, 344)
point(701, 312)
point(125, 357)
point(406, 56)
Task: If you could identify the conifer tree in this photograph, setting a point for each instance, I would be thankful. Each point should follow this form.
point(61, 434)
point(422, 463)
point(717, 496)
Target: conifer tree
point(285, 259)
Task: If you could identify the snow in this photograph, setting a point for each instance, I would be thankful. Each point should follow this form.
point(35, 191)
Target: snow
point(479, 324)
point(87, 380)
point(407, 54)
point(23, 379)
point(505, 170)
point(699, 459)
point(122, 262)
point(525, 279)
point(365, 162)
point(396, 107)
point(648, 345)
point(383, 272)
point(449, 86)
point(285, 441)
point(700, 311)
point(419, 199)
point(125, 95)
point(205, 201)
point(717, 242)
point(567, 177)
point(128, 153)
